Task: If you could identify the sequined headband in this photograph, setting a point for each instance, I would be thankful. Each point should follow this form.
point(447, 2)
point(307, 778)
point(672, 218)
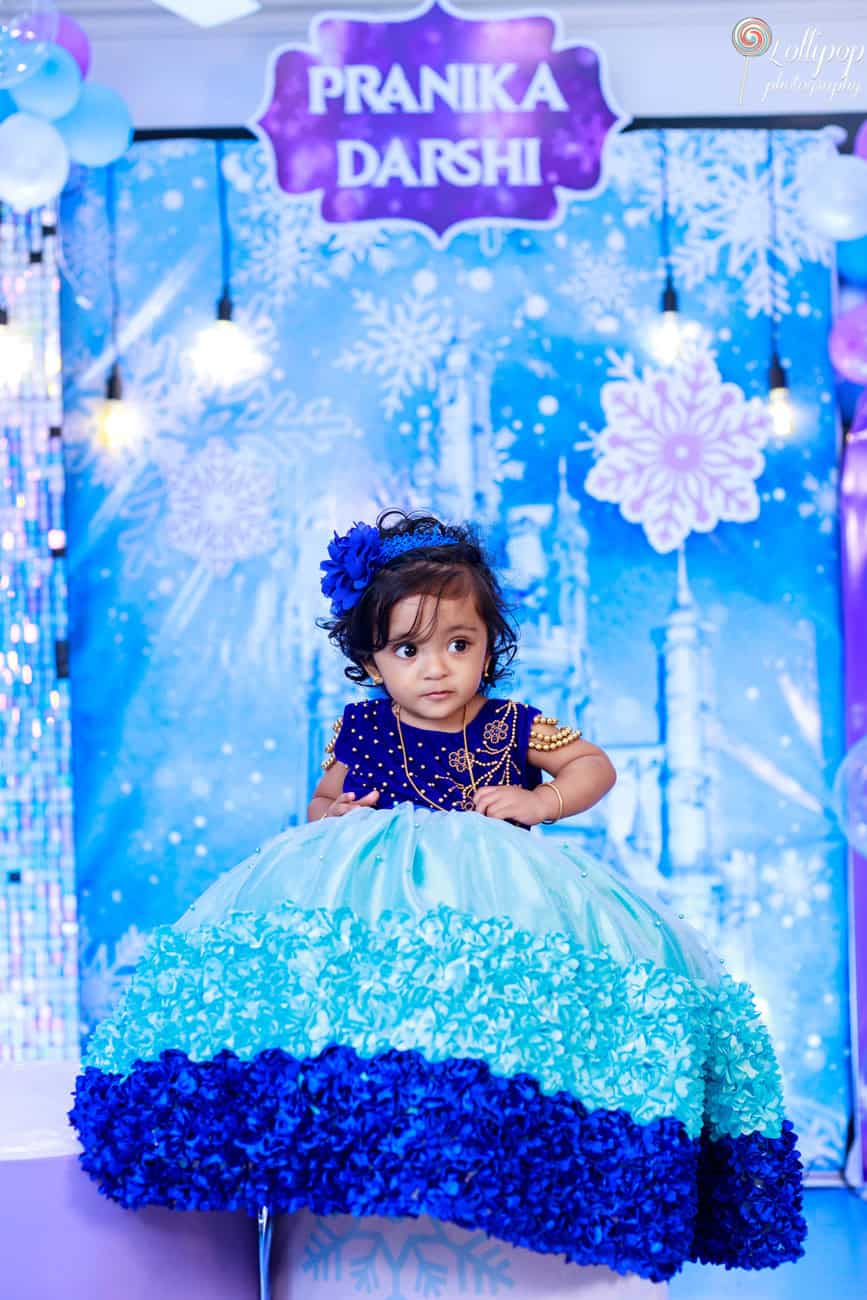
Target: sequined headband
point(356, 557)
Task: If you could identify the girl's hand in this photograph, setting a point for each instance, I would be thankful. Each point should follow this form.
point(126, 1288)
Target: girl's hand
point(509, 802)
point(345, 803)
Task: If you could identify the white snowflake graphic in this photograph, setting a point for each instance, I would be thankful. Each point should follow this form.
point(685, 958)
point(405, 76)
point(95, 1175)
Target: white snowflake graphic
point(218, 509)
point(601, 285)
point(822, 504)
point(405, 341)
point(681, 448)
point(717, 299)
point(286, 244)
point(104, 978)
point(145, 161)
point(719, 205)
point(358, 244)
point(281, 239)
point(83, 247)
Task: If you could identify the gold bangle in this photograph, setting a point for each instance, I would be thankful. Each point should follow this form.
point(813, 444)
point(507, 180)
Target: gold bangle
point(551, 785)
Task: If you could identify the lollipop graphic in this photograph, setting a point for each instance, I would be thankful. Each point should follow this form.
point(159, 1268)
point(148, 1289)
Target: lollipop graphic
point(750, 37)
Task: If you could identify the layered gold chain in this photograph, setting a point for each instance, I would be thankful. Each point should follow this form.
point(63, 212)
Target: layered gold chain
point(466, 755)
point(463, 760)
point(562, 736)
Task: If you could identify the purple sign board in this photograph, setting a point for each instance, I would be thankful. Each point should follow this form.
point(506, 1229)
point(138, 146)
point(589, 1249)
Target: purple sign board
point(438, 120)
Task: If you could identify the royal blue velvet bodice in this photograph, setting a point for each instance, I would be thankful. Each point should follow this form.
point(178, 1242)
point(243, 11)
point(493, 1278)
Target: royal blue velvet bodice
point(497, 738)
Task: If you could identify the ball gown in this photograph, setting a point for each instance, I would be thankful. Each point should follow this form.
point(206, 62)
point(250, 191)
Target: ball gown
point(422, 1011)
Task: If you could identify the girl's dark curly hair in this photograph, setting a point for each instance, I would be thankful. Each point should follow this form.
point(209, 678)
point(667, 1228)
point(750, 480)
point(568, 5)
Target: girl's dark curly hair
point(457, 568)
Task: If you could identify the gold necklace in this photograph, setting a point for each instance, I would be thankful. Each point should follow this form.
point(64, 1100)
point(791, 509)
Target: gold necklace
point(396, 709)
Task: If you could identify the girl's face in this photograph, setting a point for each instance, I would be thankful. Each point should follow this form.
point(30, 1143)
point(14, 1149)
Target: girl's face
point(450, 660)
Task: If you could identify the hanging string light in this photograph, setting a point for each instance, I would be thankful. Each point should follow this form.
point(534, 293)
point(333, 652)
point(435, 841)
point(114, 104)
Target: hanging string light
point(669, 333)
point(224, 354)
point(779, 400)
point(16, 349)
point(118, 423)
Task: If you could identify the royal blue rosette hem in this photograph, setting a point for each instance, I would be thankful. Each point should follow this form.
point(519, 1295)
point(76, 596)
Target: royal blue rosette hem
point(398, 1135)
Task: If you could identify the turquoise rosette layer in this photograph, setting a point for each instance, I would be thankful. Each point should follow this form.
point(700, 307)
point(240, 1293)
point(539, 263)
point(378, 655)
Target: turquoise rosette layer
point(629, 1037)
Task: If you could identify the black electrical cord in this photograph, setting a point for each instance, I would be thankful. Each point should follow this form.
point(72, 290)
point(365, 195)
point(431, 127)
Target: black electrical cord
point(776, 373)
point(224, 306)
point(669, 294)
point(114, 385)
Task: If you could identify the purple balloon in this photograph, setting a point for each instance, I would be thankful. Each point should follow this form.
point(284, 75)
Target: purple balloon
point(848, 344)
point(74, 39)
point(859, 148)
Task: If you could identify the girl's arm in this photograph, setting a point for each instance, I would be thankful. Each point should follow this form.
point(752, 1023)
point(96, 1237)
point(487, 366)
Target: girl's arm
point(329, 787)
point(584, 773)
point(328, 797)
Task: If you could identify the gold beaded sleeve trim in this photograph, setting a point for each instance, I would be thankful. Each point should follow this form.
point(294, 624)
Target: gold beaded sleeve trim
point(543, 738)
point(329, 748)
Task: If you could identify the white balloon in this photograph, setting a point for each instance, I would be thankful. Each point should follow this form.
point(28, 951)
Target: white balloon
point(834, 197)
point(34, 161)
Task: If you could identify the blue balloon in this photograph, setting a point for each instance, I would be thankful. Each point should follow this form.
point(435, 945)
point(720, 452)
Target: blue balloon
point(99, 128)
point(848, 393)
point(53, 89)
point(852, 260)
point(7, 105)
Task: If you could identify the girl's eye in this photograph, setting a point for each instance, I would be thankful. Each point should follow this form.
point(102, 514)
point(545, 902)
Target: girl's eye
point(408, 645)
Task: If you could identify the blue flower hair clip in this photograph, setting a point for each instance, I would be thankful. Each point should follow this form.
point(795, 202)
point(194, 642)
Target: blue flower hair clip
point(357, 556)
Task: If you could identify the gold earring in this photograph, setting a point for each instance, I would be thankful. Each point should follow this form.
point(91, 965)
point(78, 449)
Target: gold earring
point(376, 679)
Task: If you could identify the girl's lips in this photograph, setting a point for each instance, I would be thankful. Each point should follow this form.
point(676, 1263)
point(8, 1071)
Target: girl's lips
point(435, 694)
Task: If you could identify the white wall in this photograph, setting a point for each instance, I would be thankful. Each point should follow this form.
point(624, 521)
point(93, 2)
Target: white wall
point(663, 59)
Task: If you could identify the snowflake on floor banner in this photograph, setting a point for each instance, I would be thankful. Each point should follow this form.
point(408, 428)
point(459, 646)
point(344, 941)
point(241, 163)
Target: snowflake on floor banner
point(681, 448)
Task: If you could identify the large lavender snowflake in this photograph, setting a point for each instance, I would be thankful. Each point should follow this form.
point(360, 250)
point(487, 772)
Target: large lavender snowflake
point(681, 449)
point(219, 507)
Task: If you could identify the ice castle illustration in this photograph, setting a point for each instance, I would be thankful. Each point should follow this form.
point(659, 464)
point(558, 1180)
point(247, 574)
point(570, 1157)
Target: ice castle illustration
point(658, 826)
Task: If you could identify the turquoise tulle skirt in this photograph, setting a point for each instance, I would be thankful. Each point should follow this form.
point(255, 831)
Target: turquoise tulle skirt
point(409, 1011)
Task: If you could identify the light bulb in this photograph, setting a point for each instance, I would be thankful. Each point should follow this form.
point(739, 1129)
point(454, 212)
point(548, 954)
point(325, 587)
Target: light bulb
point(779, 402)
point(666, 337)
point(782, 412)
point(16, 356)
point(224, 355)
point(118, 423)
point(118, 426)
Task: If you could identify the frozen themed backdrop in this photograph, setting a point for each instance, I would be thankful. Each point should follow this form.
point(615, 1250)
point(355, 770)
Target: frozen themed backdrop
point(693, 632)
point(427, 319)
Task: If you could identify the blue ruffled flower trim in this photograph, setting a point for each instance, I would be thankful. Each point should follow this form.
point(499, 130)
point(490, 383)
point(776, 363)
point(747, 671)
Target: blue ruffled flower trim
point(618, 1036)
point(398, 1135)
